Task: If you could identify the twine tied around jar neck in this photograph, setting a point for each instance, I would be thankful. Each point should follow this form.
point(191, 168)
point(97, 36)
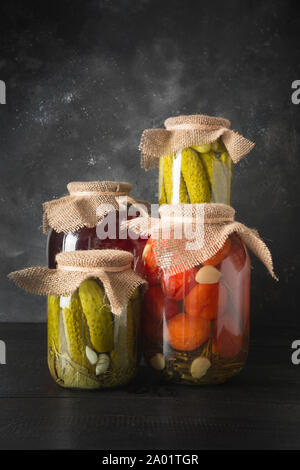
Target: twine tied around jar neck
point(191, 220)
point(95, 270)
point(95, 193)
point(191, 127)
point(185, 131)
point(112, 267)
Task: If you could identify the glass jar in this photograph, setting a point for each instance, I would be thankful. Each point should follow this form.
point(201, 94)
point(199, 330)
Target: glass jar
point(195, 324)
point(197, 174)
point(88, 239)
point(89, 347)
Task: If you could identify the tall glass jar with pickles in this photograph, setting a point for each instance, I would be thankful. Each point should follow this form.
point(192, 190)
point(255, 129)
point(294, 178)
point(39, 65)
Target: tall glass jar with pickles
point(197, 174)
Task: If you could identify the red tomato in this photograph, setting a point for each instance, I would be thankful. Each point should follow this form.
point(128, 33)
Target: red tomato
point(220, 255)
point(203, 301)
point(178, 285)
point(186, 333)
point(151, 271)
point(228, 339)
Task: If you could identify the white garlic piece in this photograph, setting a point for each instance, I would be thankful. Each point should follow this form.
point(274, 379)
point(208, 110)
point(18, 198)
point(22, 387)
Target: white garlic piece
point(158, 361)
point(102, 364)
point(208, 275)
point(146, 251)
point(199, 367)
point(91, 355)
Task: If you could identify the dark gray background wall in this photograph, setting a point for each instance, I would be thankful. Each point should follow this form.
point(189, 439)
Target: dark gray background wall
point(84, 78)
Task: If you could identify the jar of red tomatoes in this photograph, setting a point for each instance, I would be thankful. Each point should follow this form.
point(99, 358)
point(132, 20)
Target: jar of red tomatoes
point(195, 319)
point(90, 217)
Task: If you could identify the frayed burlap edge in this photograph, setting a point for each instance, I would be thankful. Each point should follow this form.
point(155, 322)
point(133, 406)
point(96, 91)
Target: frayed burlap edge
point(87, 204)
point(185, 131)
point(119, 286)
point(210, 235)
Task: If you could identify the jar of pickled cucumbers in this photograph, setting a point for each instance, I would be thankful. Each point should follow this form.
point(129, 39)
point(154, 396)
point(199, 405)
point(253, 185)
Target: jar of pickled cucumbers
point(90, 217)
point(200, 173)
point(195, 315)
point(195, 155)
point(94, 302)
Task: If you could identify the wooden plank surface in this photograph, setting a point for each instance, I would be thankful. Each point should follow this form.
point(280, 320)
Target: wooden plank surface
point(259, 409)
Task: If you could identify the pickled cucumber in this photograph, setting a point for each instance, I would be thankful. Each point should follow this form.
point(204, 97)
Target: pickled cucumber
point(133, 325)
point(204, 148)
point(119, 355)
point(53, 322)
point(167, 164)
point(221, 179)
point(74, 330)
point(162, 195)
point(218, 146)
point(183, 193)
point(226, 160)
point(168, 180)
point(207, 161)
point(194, 175)
point(98, 315)
point(161, 186)
point(131, 333)
point(125, 353)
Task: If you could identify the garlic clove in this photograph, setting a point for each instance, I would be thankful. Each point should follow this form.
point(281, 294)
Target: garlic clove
point(158, 361)
point(102, 364)
point(146, 251)
point(208, 275)
point(91, 355)
point(199, 367)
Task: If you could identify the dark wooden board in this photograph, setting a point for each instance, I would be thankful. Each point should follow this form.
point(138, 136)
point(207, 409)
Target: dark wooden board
point(259, 409)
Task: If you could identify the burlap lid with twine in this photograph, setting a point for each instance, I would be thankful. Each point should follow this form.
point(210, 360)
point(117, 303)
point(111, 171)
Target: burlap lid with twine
point(209, 226)
point(86, 205)
point(184, 131)
point(112, 267)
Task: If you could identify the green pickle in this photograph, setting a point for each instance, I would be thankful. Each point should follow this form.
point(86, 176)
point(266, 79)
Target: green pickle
point(126, 352)
point(162, 190)
point(205, 175)
point(74, 329)
point(168, 178)
point(98, 315)
point(53, 322)
point(90, 347)
point(195, 177)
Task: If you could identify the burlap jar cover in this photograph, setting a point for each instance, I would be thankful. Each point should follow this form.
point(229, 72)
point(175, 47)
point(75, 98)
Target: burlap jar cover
point(112, 267)
point(209, 224)
point(86, 205)
point(185, 131)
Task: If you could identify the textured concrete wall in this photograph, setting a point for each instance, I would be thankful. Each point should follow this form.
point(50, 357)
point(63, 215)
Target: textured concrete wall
point(84, 78)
